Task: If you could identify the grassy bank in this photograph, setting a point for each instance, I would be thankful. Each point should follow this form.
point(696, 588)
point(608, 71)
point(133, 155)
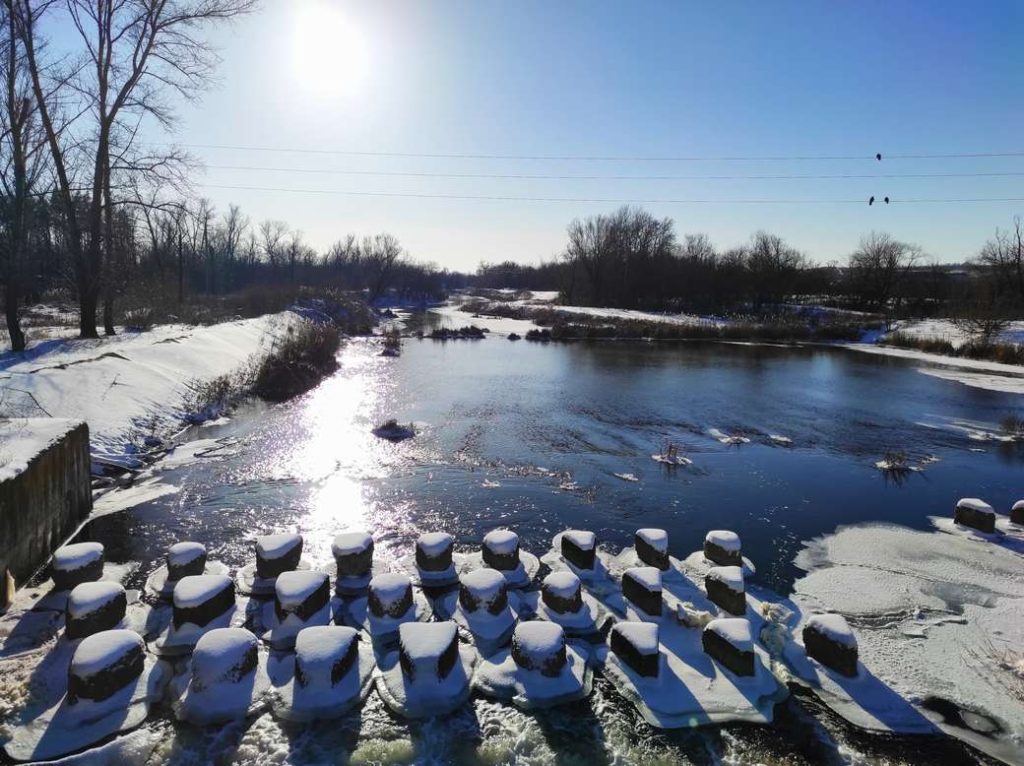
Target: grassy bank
point(1005, 353)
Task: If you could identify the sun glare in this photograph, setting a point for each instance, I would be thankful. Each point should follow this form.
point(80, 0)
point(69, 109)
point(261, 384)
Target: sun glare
point(329, 53)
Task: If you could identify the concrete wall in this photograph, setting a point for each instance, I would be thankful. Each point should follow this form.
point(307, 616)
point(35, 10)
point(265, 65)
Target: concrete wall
point(45, 490)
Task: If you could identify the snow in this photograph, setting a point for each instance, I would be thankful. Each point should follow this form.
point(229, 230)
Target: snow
point(90, 596)
point(220, 655)
point(725, 438)
point(643, 636)
point(937, 615)
point(351, 543)
point(180, 554)
point(976, 505)
point(115, 383)
point(946, 329)
point(390, 588)
point(656, 538)
point(989, 381)
point(276, 546)
point(99, 652)
point(501, 541)
point(195, 590)
point(434, 544)
point(648, 577)
point(425, 642)
point(735, 630)
point(320, 646)
point(731, 577)
point(293, 588)
point(630, 314)
point(539, 640)
point(834, 627)
point(582, 539)
point(727, 541)
point(562, 584)
point(22, 439)
point(993, 376)
point(70, 557)
point(1019, 505)
point(485, 584)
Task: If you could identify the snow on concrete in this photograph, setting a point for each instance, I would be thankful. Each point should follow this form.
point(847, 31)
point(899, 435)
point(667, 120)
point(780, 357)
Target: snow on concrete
point(77, 555)
point(276, 546)
point(293, 588)
point(99, 652)
point(502, 541)
point(834, 627)
point(350, 543)
point(648, 577)
point(724, 539)
point(195, 590)
point(21, 439)
point(735, 630)
point(656, 538)
point(90, 596)
point(562, 584)
point(133, 381)
point(434, 544)
point(977, 505)
point(937, 616)
point(731, 577)
point(180, 554)
point(643, 636)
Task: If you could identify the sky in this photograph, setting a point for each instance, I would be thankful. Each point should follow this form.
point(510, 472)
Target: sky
point(342, 90)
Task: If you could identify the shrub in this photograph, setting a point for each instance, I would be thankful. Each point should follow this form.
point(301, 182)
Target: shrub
point(297, 362)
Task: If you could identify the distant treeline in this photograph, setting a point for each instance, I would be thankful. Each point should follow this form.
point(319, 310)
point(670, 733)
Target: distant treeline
point(630, 259)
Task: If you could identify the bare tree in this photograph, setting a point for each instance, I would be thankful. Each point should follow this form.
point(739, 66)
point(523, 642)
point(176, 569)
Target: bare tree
point(272, 234)
point(771, 265)
point(879, 269)
point(1004, 254)
point(381, 253)
point(138, 53)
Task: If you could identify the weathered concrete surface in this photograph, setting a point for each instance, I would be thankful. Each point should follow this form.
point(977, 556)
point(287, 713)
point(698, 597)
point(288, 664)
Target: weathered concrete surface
point(44, 489)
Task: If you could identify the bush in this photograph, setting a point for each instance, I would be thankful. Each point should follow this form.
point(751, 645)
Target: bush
point(297, 362)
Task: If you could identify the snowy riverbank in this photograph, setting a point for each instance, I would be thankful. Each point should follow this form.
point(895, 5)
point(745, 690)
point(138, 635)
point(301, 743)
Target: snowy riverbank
point(134, 384)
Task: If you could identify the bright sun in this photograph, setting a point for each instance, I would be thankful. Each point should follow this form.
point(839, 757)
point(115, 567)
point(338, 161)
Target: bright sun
point(328, 53)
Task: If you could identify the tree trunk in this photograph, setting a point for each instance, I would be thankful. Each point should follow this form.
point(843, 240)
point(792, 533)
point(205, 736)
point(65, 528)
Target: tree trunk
point(11, 310)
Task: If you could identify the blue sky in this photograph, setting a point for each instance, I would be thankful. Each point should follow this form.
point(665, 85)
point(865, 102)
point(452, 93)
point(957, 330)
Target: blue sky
point(617, 79)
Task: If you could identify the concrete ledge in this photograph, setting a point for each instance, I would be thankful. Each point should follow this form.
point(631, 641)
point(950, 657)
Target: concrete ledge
point(45, 490)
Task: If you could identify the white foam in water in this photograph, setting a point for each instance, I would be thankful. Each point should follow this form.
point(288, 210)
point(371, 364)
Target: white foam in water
point(276, 546)
point(724, 539)
point(90, 596)
point(656, 538)
point(937, 615)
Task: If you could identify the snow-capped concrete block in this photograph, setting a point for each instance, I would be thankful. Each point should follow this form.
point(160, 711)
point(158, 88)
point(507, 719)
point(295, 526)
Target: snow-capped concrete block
point(975, 513)
point(539, 646)
point(636, 644)
point(1017, 513)
point(723, 548)
point(829, 639)
point(651, 546)
point(353, 553)
point(434, 551)
point(579, 548)
point(93, 607)
point(300, 594)
point(277, 553)
point(104, 663)
point(200, 599)
point(726, 588)
point(390, 595)
point(75, 564)
point(184, 559)
point(483, 590)
point(223, 656)
point(500, 550)
point(324, 654)
point(562, 592)
point(728, 640)
point(427, 649)
point(642, 587)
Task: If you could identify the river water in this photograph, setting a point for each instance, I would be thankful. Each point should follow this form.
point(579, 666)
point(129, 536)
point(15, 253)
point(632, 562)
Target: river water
point(531, 436)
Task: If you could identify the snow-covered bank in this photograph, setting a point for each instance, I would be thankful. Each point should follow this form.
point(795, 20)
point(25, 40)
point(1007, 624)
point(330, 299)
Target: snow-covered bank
point(946, 330)
point(131, 384)
point(938, 619)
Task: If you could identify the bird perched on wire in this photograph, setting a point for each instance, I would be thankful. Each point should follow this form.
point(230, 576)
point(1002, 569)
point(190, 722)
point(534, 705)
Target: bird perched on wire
point(878, 156)
point(886, 200)
point(871, 201)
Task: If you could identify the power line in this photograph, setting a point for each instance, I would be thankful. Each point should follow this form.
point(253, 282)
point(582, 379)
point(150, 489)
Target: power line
point(600, 158)
point(597, 200)
point(547, 177)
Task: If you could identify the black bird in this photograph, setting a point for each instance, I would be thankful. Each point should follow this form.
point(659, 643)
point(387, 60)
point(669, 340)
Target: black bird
point(878, 156)
point(886, 200)
point(871, 201)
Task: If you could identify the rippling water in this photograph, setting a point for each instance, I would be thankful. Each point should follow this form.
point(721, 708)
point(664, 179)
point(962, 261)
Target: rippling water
point(531, 437)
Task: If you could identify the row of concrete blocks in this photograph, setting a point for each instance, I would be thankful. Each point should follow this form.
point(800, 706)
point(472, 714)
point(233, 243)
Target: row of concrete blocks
point(977, 514)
